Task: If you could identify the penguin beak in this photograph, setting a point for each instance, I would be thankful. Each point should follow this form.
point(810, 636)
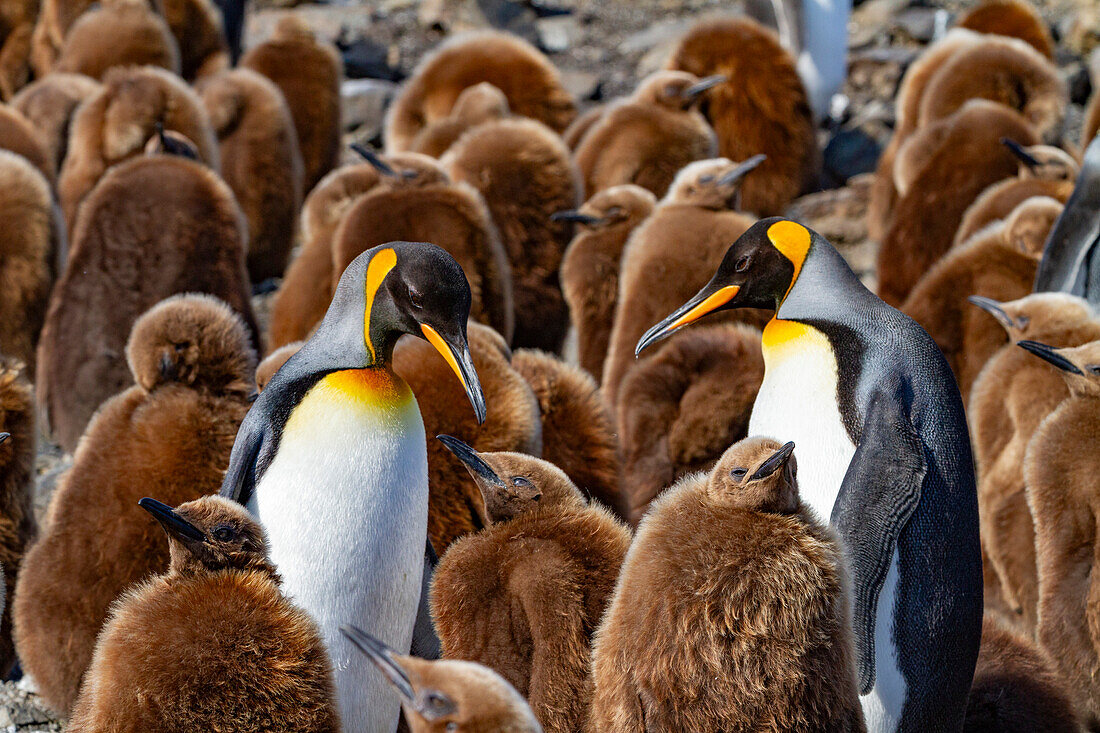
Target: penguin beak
point(384, 658)
point(712, 297)
point(708, 82)
point(1050, 354)
point(578, 217)
point(775, 462)
point(456, 352)
point(175, 525)
point(1018, 150)
point(742, 169)
point(4, 437)
point(371, 157)
point(994, 309)
point(478, 468)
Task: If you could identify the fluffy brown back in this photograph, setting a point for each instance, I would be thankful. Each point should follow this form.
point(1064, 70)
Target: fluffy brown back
point(761, 108)
point(197, 27)
point(118, 33)
point(18, 135)
point(50, 104)
point(998, 201)
point(15, 50)
point(1013, 18)
point(54, 20)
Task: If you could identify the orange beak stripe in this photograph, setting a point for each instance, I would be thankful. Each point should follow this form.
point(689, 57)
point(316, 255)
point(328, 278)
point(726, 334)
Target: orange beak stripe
point(441, 346)
point(714, 300)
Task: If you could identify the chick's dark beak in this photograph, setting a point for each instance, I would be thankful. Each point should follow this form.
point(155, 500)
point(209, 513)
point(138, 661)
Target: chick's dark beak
point(1018, 150)
point(4, 437)
point(775, 462)
point(742, 169)
point(576, 216)
point(994, 309)
point(371, 157)
point(175, 525)
point(384, 658)
point(708, 82)
point(456, 352)
point(477, 466)
point(713, 296)
point(1050, 354)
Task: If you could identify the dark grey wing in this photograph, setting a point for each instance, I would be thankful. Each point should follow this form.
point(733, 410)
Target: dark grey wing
point(241, 476)
point(1070, 261)
point(425, 643)
point(880, 492)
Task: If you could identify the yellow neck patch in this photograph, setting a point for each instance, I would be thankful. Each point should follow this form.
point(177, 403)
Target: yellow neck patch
point(377, 269)
point(366, 386)
point(793, 242)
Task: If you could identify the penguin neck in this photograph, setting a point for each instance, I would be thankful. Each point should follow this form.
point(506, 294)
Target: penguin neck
point(824, 288)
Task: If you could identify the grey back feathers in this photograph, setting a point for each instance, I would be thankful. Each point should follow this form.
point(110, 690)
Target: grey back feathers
point(1069, 263)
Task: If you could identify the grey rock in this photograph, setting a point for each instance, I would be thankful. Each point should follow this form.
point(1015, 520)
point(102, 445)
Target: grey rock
point(918, 23)
point(581, 84)
point(364, 103)
point(557, 33)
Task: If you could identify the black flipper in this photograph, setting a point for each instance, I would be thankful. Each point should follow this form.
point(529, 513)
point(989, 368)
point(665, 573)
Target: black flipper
point(425, 643)
point(1070, 261)
point(241, 476)
point(880, 492)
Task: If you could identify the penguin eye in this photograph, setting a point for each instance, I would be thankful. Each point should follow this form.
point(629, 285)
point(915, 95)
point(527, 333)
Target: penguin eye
point(1093, 369)
point(520, 481)
point(416, 299)
point(739, 473)
point(706, 179)
point(224, 533)
point(742, 263)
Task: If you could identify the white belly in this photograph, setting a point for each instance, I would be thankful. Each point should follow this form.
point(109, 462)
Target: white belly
point(883, 704)
point(344, 504)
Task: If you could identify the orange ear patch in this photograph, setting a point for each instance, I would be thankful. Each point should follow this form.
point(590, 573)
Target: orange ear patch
point(793, 242)
point(377, 269)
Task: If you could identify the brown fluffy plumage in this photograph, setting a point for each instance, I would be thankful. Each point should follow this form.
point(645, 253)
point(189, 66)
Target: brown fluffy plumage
point(169, 434)
point(524, 595)
point(17, 454)
point(54, 19)
point(646, 138)
point(308, 71)
point(523, 171)
point(32, 245)
point(578, 434)
point(274, 361)
point(477, 104)
point(590, 267)
point(680, 410)
point(19, 135)
point(581, 124)
point(116, 123)
point(1013, 393)
point(50, 104)
point(969, 160)
point(153, 227)
point(1013, 18)
point(526, 77)
point(217, 614)
point(731, 612)
point(761, 108)
point(998, 262)
point(260, 161)
point(118, 33)
point(197, 26)
point(17, 19)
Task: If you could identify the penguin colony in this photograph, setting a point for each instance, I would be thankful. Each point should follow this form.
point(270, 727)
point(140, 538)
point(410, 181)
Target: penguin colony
point(557, 424)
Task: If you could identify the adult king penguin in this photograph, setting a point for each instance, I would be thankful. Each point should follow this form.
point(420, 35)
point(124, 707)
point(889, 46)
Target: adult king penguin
point(332, 460)
point(886, 459)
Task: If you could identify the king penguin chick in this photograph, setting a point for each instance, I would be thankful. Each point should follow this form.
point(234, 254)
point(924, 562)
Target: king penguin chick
point(969, 159)
point(581, 124)
point(524, 595)
point(1012, 18)
point(523, 171)
point(197, 26)
point(192, 365)
point(448, 694)
point(273, 362)
point(17, 474)
point(531, 84)
point(756, 584)
point(50, 104)
point(679, 410)
point(475, 105)
point(646, 138)
point(1060, 471)
point(590, 268)
point(17, 18)
point(260, 161)
point(118, 33)
point(154, 226)
point(338, 413)
point(18, 135)
point(1011, 395)
point(116, 123)
point(216, 614)
point(761, 107)
point(998, 262)
point(32, 249)
point(308, 72)
point(667, 257)
point(53, 22)
point(1016, 686)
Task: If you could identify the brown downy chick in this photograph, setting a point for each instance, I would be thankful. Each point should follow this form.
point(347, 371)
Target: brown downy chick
point(523, 171)
point(671, 252)
point(475, 105)
point(260, 161)
point(1060, 470)
point(581, 124)
point(969, 160)
point(54, 19)
point(998, 263)
point(756, 586)
point(590, 268)
point(173, 430)
point(216, 614)
point(524, 595)
point(528, 80)
point(116, 123)
point(761, 107)
point(681, 409)
point(511, 424)
point(153, 227)
point(448, 694)
point(1013, 393)
point(273, 362)
point(578, 434)
point(18, 135)
point(1012, 18)
point(32, 247)
point(1016, 688)
point(646, 138)
point(420, 204)
point(308, 71)
point(50, 104)
point(17, 18)
point(1044, 171)
point(17, 474)
point(118, 33)
point(197, 27)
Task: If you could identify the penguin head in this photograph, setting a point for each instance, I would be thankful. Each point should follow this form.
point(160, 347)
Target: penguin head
point(1036, 314)
point(403, 170)
point(480, 103)
point(211, 533)
point(391, 290)
point(1045, 162)
point(1026, 229)
point(447, 694)
point(757, 271)
point(170, 142)
point(674, 89)
point(624, 204)
point(712, 184)
point(1080, 365)
point(512, 484)
point(757, 474)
